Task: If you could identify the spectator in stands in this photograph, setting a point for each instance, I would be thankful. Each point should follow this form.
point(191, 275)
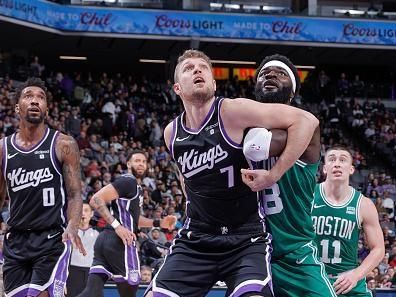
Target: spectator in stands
point(146, 274)
point(357, 87)
point(343, 86)
point(389, 205)
point(73, 123)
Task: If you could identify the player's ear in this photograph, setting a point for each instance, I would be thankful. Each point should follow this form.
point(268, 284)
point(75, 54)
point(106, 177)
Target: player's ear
point(214, 85)
point(177, 88)
point(324, 169)
point(352, 170)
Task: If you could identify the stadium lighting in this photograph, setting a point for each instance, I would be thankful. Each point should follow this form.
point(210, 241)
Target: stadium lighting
point(216, 6)
point(233, 62)
point(152, 61)
point(251, 8)
point(228, 6)
point(79, 58)
point(305, 67)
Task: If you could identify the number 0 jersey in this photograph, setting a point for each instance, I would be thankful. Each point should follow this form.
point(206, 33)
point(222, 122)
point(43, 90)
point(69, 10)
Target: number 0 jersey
point(211, 163)
point(337, 230)
point(35, 184)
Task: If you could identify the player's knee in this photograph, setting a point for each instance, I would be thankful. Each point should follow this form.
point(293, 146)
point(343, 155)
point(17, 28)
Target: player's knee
point(149, 294)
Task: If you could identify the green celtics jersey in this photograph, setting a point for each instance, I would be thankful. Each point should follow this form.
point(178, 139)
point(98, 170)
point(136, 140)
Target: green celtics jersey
point(287, 206)
point(337, 230)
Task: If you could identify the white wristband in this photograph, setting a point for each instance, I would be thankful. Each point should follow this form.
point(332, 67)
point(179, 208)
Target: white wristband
point(115, 224)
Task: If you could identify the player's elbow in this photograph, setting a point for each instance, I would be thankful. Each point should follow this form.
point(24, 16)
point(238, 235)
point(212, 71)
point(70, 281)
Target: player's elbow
point(95, 202)
point(310, 120)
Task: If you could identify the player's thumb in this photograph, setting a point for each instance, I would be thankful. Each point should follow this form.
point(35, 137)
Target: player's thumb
point(65, 237)
point(248, 172)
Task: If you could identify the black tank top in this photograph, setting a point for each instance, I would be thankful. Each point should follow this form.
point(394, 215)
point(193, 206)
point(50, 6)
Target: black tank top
point(210, 163)
point(126, 209)
point(35, 184)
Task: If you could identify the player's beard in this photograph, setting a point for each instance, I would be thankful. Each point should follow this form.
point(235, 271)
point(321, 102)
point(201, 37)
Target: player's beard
point(138, 175)
point(279, 96)
point(35, 120)
point(203, 95)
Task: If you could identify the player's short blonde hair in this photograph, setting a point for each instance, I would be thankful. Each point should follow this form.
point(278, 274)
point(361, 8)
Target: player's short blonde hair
point(187, 55)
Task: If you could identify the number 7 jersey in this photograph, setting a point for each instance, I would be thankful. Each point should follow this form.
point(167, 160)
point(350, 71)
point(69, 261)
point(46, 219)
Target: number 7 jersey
point(35, 184)
point(337, 230)
point(211, 163)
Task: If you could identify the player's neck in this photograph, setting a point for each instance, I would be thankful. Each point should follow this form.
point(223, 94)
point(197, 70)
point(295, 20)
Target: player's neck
point(337, 191)
point(196, 113)
point(31, 134)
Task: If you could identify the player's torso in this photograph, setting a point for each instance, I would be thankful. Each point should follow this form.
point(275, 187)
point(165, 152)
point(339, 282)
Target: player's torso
point(127, 210)
point(337, 231)
point(35, 184)
point(210, 163)
point(287, 206)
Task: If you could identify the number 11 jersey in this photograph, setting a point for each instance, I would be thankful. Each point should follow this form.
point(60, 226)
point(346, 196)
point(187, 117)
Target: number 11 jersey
point(337, 229)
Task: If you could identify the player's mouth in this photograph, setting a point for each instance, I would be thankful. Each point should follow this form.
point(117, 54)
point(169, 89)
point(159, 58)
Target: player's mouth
point(198, 80)
point(34, 110)
point(270, 85)
point(337, 172)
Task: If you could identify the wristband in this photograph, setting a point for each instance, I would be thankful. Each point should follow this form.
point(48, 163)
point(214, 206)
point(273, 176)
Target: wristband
point(115, 224)
point(157, 223)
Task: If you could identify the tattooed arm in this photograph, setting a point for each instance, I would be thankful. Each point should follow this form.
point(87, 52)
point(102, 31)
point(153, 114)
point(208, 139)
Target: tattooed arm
point(69, 155)
point(2, 180)
point(124, 186)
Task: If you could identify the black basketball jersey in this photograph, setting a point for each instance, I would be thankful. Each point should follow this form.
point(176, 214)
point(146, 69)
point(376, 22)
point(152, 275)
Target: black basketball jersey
point(126, 209)
point(35, 184)
point(211, 166)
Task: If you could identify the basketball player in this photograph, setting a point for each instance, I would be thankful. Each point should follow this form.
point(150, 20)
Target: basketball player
point(137, 165)
point(287, 204)
point(41, 171)
point(115, 253)
point(223, 237)
point(339, 214)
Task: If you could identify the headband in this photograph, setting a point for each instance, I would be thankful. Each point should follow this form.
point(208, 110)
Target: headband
point(282, 65)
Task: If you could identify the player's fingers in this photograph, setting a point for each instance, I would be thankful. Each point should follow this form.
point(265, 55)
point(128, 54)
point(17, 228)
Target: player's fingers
point(347, 289)
point(249, 172)
point(338, 280)
point(65, 237)
point(80, 246)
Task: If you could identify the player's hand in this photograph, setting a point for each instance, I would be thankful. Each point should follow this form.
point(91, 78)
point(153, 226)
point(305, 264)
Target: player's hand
point(345, 282)
point(127, 236)
point(71, 234)
point(168, 222)
point(258, 179)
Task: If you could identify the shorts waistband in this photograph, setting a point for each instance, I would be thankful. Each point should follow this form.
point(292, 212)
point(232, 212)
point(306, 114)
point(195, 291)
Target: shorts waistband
point(30, 230)
point(248, 228)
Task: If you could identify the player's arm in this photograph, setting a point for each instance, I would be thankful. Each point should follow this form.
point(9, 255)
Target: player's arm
point(69, 155)
point(2, 179)
point(122, 187)
point(375, 240)
point(239, 114)
point(169, 221)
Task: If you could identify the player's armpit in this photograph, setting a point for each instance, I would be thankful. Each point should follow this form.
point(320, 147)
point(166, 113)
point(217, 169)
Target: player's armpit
point(278, 142)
